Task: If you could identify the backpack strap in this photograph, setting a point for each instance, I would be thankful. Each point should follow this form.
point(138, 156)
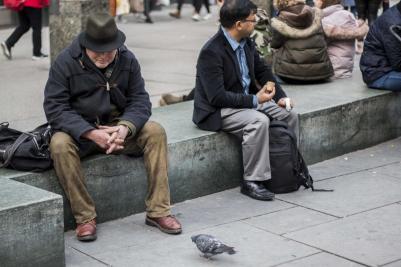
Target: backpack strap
point(9, 153)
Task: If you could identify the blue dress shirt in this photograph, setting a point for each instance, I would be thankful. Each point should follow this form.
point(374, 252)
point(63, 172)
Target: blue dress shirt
point(238, 48)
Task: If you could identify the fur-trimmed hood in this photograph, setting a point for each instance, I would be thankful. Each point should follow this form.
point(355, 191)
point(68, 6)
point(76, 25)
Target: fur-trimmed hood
point(282, 4)
point(299, 33)
point(346, 33)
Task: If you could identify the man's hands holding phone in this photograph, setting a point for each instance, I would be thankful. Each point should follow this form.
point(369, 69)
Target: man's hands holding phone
point(109, 138)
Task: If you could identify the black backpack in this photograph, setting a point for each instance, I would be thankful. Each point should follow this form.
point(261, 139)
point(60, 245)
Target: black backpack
point(25, 151)
point(288, 168)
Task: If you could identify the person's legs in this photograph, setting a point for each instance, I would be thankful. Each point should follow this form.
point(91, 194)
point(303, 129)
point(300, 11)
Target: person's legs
point(207, 5)
point(197, 6)
point(67, 164)
point(35, 18)
point(189, 96)
point(278, 113)
point(373, 8)
point(252, 128)
point(151, 141)
point(169, 99)
point(23, 27)
point(390, 81)
point(361, 8)
point(146, 11)
point(177, 13)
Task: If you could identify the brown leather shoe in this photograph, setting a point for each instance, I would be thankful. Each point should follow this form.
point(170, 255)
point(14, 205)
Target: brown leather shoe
point(168, 224)
point(86, 231)
point(168, 99)
point(175, 14)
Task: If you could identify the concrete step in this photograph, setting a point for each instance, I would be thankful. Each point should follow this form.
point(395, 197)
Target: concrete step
point(31, 226)
point(335, 118)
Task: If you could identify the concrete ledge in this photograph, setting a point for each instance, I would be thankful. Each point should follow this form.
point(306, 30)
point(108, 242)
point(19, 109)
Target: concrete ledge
point(335, 118)
point(31, 228)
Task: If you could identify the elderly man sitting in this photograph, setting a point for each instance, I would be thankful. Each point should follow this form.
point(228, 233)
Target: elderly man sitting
point(96, 102)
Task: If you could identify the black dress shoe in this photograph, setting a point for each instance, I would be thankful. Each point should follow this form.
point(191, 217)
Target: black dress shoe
point(256, 190)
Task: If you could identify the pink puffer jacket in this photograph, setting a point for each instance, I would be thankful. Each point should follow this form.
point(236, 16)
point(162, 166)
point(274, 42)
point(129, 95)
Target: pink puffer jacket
point(36, 3)
point(341, 30)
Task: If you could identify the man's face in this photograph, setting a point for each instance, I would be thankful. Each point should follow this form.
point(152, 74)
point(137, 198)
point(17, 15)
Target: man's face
point(101, 59)
point(247, 26)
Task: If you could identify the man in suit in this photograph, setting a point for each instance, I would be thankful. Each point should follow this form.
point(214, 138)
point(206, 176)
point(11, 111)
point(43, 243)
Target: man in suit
point(236, 92)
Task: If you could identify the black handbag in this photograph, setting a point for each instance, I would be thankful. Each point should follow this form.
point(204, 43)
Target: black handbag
point(25, 151)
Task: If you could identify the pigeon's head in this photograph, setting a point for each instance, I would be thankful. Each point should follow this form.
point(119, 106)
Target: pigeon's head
point(194, 237)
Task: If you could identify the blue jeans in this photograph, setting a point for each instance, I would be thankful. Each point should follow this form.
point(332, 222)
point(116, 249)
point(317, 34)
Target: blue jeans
point(390, 81)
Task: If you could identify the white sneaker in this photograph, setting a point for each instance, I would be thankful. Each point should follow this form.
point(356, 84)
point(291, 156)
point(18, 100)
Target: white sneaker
point(207, 16)
point(6, 51)
point(196, 17)
point(41, 56)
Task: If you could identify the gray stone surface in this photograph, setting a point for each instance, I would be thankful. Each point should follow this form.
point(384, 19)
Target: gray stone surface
point(31, 226)
point(319, 260)
point(75, 258)
point(353, 193)
point(261, 249)
point(394, 264)
point(219, 208)
point(380, 156)
point(289, 220)
point(371, 238)
point(115, 235)
point(293, 230)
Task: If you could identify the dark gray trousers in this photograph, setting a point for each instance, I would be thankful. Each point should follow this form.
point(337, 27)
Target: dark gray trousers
point(251, 126)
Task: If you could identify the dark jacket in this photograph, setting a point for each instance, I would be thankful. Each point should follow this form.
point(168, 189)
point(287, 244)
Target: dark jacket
point(381, 51)
point(302, 50)
point(218, 81)
point(76, 95)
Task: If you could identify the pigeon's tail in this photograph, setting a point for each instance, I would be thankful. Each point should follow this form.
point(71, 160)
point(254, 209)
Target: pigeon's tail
point(229, 250)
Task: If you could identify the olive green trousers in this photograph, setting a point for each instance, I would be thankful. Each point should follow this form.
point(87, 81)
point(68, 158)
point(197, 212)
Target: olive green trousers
point(151, 142)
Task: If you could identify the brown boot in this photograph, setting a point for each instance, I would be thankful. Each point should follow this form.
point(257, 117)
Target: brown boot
point(168, 224)
point(86, 231)
point(168, 99)
point(175, 14)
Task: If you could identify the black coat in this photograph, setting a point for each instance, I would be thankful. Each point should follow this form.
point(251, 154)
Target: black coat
point(381, 51)
point(76, 95)
point(218, 81)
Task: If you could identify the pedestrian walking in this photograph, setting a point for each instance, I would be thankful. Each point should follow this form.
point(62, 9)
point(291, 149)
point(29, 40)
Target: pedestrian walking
point(198, 7)
point(367, 9)
point(30, 16)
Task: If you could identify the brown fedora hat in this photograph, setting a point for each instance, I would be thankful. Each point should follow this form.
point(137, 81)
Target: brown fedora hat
point(101, 34)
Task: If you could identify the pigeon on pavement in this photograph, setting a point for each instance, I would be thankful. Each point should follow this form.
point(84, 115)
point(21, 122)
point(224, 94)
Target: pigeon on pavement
point(210, 246)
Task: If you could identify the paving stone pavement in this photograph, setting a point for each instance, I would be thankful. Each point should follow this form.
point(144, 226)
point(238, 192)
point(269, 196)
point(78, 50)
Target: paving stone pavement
point(356, 225)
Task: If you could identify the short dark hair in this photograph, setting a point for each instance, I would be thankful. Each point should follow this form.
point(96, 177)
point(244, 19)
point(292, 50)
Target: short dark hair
point(235, 10)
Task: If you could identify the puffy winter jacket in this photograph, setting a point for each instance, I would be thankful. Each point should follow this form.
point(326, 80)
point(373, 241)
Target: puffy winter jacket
point(341, 30)
point(302, 50)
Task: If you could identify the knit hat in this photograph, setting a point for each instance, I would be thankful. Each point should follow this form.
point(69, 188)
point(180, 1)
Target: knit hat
point(282, 4)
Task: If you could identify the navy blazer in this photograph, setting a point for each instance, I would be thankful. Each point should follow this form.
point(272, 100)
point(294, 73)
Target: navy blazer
point(218, 81)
